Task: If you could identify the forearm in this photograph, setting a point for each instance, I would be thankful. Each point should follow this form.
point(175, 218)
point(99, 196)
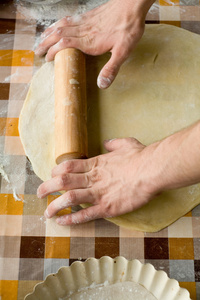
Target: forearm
point(176, 160)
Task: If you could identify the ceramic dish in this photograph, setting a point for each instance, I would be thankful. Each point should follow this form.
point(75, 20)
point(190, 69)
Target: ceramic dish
point(93, 273)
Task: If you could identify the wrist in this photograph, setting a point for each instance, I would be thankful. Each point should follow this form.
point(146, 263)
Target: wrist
point(175, 160)
point(135, 7)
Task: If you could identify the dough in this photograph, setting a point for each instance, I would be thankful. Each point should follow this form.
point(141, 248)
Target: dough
point(156, 93)
point(119, 291)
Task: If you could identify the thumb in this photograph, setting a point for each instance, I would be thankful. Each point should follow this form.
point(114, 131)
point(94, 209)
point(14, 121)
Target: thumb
point(114, 144)
point(111, 69)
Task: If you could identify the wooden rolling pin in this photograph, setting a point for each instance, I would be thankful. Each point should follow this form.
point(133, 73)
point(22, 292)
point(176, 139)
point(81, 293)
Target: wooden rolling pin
point(70, 106)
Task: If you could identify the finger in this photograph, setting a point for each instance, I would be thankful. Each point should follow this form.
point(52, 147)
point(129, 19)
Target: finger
point(115, 144)
point(67, 26)
point(62, 182)
point(55, 36)
point(73, 166)
point(50, 29)
point(63, 43)
point(70, 198)
point(64, 22)
point(49, 41)
point(111, 69)
point(82, 216)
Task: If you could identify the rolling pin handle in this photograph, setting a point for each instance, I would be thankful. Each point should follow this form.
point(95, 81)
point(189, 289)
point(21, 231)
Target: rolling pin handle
point(70, 105)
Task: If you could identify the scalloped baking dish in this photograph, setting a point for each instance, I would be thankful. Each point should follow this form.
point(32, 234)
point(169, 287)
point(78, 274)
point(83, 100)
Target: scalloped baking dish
point(81, 276)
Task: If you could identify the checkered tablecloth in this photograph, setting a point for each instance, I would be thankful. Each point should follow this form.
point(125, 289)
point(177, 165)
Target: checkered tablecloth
point(30, 246)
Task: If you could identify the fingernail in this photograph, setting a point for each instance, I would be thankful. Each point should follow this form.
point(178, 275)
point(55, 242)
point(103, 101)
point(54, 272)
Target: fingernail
point(38, 194)
point(46, 59)
point(43, 35)
point(46, 214)
point(109, 140)
point(36, 51)
point(103, 82)
point(39, 51)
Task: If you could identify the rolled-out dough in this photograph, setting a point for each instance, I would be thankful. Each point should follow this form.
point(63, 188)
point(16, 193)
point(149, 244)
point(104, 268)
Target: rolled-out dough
point(155, 94)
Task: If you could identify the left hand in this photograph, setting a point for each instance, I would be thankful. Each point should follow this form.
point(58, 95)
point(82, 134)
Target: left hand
point(116, 26)
point(113, 183)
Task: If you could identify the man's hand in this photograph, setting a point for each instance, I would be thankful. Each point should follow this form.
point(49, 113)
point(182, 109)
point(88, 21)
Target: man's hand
point(115, 27)
point(114, 183)
point(125, 178)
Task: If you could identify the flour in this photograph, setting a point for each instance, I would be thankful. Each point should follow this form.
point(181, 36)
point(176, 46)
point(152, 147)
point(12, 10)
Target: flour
point(45, 15)
point(3, 174)
point(16, 196)
point(73, 81)
point(6, 178)
point(12, 179)
point(119, 291)
point(46, 2)
point(13, 76)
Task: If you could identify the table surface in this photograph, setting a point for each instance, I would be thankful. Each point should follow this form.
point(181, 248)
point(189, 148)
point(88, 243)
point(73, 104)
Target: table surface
point(30, 246)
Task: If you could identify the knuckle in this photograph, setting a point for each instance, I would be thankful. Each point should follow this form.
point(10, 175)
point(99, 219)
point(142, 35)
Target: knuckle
point(86, 215)
point(85, 29)
point(108, 209)
point(68, 166)
point(64, 41)
point(59, 31)
point(71, 196)
point(69, 220)
point(129, 140)
point(96, 161)
point(62, 180)
point(95, 176)
point(101, 192)
point(135, 34)
point(88, 42)
point(112, 69)
point(92, 195)
point(134, 142)
point(59, 181)
point(65, 21)
point(87, 179)
point(95, 50)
